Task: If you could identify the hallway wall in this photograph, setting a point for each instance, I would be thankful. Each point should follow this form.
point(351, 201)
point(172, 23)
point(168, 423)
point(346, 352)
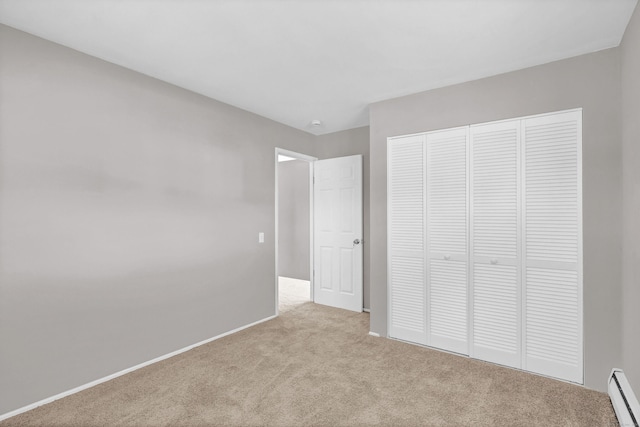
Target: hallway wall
point(294, 232)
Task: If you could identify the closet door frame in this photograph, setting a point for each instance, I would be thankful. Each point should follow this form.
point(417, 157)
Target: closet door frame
point(578, 375)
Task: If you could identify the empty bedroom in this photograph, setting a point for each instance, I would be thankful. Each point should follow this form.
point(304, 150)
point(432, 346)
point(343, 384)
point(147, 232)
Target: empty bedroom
point(291, 213)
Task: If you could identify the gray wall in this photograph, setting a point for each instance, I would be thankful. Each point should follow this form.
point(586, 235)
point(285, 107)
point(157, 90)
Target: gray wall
point(590, 81)
point(630, 57)
point(294, 232)
point(129, 218)
point(347, 143)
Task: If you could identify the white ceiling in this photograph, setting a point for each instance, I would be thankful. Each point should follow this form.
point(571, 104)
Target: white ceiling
point(294, 61)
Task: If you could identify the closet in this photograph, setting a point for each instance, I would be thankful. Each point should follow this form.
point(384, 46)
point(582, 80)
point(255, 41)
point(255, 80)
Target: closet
point(485, 241)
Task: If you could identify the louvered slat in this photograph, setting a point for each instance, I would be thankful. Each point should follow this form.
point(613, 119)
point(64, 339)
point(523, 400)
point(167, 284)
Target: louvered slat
point(496, 323)
point(406, 185)
point(448, 305)
point(407, 305)
point(447, 192)
point(552, 318)
point(447, 239)
point(494, 238)
point(552, 246)
point(551, 190)
point(494, 190)
point(407, 294)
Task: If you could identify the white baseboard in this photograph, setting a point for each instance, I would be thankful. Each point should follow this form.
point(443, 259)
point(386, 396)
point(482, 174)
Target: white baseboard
point(125, 371)
point(366, 310)
point(374, 334)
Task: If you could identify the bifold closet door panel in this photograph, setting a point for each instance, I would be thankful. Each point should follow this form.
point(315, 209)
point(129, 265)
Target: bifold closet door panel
point(495, 324)
point(447, 239)
point(552, 258)
point(406, 231)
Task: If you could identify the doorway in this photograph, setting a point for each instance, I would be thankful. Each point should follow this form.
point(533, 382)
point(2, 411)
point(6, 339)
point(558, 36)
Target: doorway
point(294, 229)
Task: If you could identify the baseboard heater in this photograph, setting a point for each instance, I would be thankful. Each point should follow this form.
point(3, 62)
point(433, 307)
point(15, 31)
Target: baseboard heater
point(623, 399)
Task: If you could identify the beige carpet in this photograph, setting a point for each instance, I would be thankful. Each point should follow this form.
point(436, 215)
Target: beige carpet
point(316, 365)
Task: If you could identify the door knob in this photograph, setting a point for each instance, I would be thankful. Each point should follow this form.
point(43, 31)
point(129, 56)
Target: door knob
point(356, 242)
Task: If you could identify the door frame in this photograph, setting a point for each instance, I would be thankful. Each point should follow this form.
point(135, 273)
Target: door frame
point(310, 160)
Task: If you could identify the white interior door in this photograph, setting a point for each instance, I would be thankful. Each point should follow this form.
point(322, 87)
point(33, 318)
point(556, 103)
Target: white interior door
point(552, 228)
point(337, 193)
point(447, 239)
point(406, 250)
point(495, 243)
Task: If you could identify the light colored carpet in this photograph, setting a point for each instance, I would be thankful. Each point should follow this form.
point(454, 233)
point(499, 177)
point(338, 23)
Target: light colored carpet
point(316, 365)
point(292, 293)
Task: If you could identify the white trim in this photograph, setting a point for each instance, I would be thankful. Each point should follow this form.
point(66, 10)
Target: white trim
point(276, 302)
point(125, 371)
point(311, 160)
point(312, 267)
point(470, 244)
point(374, 334)
point(387, 203)
point(581, 344)
point(366, 310)
point(522, 220)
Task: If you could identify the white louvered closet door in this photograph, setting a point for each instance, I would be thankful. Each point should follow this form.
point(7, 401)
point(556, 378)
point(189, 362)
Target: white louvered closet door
point(406, 250)
point(447, 239)
point(552, 259)
point(494, 243)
